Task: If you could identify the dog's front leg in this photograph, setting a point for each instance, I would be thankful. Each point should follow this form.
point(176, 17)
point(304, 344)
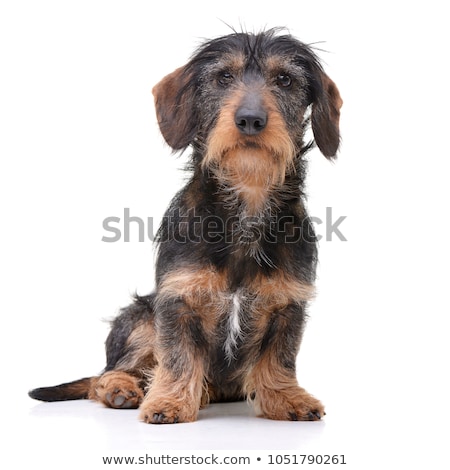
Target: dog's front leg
point(272, 384)
point(177, 384)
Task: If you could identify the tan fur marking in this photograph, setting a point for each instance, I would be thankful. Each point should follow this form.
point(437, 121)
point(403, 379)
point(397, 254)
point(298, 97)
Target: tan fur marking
point(142, 340)
point(192, 284)
point(275, 64)
point(280, 290)
point(252, 165)
point(278, 396)
point(174, 400)
point(232, 63)
point(203, 290)
point(117, 389)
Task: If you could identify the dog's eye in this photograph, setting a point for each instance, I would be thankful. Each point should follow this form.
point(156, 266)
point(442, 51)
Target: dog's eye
point(225, 78)
point(284, 80)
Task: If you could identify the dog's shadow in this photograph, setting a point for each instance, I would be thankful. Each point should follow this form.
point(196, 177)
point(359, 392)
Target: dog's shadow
point(232, 410)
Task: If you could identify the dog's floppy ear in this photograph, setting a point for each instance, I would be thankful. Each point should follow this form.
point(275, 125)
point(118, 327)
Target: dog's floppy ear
point(174, 109)
point(325, 117)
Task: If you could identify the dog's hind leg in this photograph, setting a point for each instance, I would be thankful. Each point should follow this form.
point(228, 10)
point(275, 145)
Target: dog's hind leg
point(114, 389)
point(131, 342)
point(129, 358)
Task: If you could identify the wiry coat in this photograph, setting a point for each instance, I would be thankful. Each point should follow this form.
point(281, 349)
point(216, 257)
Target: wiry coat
point(236, 249)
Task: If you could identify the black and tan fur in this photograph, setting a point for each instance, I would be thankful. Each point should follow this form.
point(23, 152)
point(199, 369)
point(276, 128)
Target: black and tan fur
point(236, 249)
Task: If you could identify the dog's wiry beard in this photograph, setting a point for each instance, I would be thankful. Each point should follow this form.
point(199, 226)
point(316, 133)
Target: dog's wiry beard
point(252, 173)
point(252, 165)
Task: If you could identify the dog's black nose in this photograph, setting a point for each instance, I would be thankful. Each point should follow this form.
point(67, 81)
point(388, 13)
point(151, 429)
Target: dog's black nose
point(250, 121)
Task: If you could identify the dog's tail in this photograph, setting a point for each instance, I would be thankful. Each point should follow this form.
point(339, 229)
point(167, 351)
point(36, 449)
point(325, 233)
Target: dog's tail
point(75, 390)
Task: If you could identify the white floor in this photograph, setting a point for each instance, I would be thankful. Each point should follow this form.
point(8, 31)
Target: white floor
point(82, 432)
point(79, 434)
point(220, 426)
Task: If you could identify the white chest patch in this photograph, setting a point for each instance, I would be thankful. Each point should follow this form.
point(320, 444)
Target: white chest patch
point(234, 326)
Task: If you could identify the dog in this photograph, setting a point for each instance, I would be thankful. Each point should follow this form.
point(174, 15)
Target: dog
point(237, 252)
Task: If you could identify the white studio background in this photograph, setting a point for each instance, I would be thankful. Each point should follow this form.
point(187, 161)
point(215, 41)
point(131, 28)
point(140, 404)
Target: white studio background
point(79, 143)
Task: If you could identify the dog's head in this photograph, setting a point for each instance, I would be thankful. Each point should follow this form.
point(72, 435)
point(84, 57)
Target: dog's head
point(246, 95)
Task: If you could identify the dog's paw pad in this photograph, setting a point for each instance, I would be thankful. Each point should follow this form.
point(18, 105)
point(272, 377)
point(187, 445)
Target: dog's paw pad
point(314, 416)
point(310, 416)
point(159, 418)
point(123, 399)
point(119, 390)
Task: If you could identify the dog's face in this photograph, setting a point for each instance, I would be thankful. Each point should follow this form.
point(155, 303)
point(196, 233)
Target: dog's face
point(243, 98)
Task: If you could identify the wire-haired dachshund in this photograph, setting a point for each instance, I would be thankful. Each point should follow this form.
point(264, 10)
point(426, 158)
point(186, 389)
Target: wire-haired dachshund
point(236, 250)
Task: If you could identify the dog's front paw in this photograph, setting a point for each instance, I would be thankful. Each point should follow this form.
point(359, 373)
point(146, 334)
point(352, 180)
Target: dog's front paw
point(290, 405)
point(119, 390)
point(307, 410)
point(154, 411)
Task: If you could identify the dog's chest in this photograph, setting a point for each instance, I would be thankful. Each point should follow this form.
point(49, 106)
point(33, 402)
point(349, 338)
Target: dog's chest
point(236, 326)
point(232, 325)
point(248, 232)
